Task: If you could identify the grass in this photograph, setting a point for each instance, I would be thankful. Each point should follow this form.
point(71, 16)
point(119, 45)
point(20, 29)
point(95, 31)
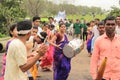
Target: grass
point(44, 19)
point(5, 38)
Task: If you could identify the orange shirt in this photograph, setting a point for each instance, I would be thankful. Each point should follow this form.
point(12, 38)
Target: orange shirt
point(104, 47)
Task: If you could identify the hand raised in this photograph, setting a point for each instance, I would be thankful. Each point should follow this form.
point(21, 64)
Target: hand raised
point(42, 49)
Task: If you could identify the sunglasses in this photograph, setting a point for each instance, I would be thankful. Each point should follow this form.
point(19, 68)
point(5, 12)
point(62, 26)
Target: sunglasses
point(110, 24)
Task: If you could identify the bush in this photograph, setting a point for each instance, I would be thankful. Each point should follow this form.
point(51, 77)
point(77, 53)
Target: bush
point(2, 35)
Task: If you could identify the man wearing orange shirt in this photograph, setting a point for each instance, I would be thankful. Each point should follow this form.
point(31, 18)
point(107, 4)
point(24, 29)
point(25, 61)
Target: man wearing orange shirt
point(107, 45)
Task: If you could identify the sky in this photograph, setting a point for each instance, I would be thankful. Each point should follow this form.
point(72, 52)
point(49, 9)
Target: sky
point(104, 4)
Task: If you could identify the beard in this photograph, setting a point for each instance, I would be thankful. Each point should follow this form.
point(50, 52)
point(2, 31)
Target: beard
point(110, 32)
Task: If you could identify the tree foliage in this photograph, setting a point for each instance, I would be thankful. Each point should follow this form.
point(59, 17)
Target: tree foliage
point(10, 12)
point(13, 10)
point(114, 12)
point(42, 7)
point(34, 7)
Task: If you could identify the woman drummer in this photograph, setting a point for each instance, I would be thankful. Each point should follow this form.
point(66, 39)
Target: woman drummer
point(61, 64)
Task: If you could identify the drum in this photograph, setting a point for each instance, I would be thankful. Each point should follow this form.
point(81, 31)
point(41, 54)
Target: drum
point(73, 48)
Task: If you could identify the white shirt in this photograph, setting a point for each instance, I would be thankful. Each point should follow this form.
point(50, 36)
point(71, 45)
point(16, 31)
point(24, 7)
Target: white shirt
point(17, 56)
point(117, 30)
point(95, 31)
point(39, 30)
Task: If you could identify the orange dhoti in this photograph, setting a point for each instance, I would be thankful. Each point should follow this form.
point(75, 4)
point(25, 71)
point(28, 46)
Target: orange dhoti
point(34, 71)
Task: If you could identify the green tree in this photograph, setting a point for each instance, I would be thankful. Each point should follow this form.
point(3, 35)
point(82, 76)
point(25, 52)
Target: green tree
point(114, 12)
point(10, 12)
point(34, 7)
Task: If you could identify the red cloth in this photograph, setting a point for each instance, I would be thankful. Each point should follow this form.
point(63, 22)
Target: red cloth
point(47, 60)
point(2, 78)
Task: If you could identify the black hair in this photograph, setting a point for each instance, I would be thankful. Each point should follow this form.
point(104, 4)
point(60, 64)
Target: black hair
point(24, 25)
point(61, 24)
point(88, 24)
point(36, 18)
point(50, 18)
point(109, 18)
point(116, 17)
point(12, 27)
point(51, 26)
point(34, 27)
point(92, 21)
point(97, 19)
point(77, 20)
point(100, 23)
point(44, 35)
point(45, 24)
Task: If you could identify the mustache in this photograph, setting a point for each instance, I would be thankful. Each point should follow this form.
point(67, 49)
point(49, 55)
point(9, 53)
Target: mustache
point(109, 31)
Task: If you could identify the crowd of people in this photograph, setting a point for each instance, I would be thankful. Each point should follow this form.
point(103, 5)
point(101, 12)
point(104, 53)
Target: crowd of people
point(32, 46)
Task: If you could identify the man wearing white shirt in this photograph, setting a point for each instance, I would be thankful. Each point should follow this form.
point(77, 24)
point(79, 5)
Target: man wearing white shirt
point(17, 61)
point(101, 29)
point(51, 22)
point(118, 25)
point(36, 23)
point(95, 30)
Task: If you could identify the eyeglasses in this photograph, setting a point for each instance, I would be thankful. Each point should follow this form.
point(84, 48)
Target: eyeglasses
point(110, 24)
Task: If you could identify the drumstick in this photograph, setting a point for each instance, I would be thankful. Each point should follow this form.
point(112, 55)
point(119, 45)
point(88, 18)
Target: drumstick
point(101, 69)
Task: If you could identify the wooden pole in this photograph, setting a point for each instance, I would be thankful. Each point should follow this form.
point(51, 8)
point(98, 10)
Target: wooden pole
point(101, 69)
